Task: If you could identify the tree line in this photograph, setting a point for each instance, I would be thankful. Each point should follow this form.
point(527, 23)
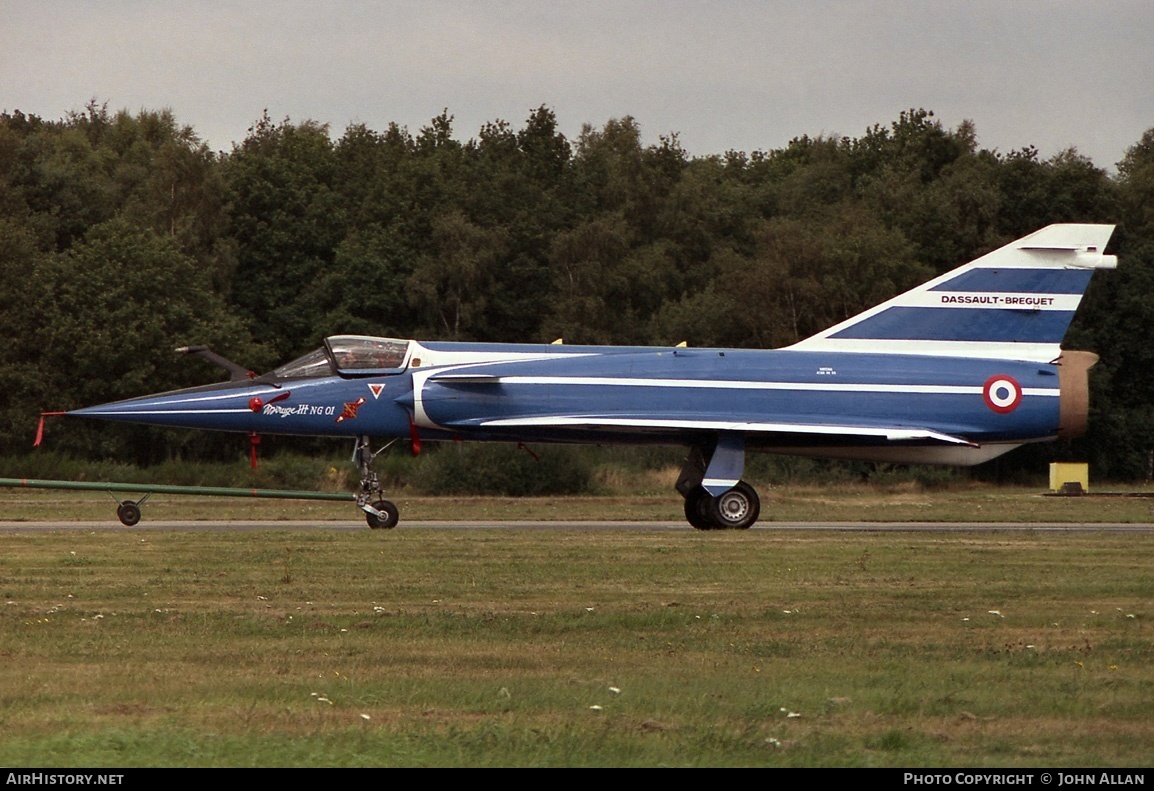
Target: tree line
point(123, 236)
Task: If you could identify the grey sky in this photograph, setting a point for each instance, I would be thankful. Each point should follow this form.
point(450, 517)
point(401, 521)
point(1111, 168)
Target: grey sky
point(723, 75)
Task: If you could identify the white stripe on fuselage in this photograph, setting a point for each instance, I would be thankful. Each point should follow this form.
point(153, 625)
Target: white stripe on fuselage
point(894, 434)
point(196, 399)
point(705, 384)
point(119, 412)
point(424, 420)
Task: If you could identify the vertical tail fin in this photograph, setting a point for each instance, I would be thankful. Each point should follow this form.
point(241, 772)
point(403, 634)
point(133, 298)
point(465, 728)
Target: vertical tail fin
point(1014, 303)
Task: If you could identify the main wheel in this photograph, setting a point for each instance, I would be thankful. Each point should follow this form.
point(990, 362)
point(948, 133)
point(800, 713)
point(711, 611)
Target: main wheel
point(736, 509)
point(388, 518)
point(697, 506)
point(128, 513)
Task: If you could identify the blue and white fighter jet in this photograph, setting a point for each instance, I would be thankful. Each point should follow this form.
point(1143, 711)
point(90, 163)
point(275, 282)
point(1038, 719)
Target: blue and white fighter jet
point(956, 371)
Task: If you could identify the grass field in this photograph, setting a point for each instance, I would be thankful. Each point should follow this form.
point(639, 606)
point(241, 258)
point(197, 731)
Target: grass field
point(420, 647)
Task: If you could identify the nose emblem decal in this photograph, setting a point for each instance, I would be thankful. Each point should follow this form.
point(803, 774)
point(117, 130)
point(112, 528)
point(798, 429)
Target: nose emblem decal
point(350, 410)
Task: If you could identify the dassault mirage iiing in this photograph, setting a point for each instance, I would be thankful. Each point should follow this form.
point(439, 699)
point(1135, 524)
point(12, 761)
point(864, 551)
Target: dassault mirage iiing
point(956, 371)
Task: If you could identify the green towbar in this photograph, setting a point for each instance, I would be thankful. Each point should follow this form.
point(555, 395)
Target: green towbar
point(128, 511)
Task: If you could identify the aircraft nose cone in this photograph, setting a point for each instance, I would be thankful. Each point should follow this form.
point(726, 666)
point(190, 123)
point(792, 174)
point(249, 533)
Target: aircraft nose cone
point(224, 406)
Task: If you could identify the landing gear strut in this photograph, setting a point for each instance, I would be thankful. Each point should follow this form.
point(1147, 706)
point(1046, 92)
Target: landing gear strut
point(715, 498)
point(380, 513)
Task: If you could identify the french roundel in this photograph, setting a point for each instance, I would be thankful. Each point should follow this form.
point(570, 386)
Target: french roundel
point(1002, 393)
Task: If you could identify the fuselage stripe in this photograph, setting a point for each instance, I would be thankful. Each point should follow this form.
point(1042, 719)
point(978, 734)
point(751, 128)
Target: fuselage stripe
point(118, 412)
point(828, 387)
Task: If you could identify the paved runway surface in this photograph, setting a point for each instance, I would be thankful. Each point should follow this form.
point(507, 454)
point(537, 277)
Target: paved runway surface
point(888, 527)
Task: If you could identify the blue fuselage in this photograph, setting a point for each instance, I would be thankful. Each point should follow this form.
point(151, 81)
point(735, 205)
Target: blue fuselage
point(630, 394)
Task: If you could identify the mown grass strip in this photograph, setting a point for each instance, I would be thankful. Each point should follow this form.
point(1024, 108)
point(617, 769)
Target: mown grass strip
point(523, 648)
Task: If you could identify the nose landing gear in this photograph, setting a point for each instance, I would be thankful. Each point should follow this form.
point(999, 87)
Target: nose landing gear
point(381, 514)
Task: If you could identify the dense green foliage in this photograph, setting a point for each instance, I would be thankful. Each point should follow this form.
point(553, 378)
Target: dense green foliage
point(123, 236)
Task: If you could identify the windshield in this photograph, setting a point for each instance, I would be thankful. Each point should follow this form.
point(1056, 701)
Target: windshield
point(353, 355)
point(314, 364)
point(358, 355)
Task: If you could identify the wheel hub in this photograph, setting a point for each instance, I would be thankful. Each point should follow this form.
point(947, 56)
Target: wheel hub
point(733, 507)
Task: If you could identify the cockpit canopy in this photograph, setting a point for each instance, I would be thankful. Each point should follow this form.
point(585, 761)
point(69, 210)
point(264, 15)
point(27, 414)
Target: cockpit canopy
point(349, 356)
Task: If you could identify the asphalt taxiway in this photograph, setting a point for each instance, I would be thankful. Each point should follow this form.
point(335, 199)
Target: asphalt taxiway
point(240, 526)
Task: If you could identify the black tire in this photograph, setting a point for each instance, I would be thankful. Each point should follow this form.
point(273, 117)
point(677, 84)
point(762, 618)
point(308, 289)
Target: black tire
point(128, 513)
point(737, 509)
point(697, 507)
point(388, 519)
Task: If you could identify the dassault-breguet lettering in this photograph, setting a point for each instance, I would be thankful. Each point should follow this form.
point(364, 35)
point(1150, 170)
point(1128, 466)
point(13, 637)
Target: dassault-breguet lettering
point(997, 299)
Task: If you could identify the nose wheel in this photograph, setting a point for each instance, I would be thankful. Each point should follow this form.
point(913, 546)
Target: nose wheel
point(385, 517)
point(380, 514)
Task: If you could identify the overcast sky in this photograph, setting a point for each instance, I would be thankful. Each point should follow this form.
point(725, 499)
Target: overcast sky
point(723, 75)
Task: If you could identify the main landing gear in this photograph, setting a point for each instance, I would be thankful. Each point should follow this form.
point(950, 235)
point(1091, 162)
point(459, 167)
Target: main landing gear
point(380, 513)
point(736, 509)
point(715, 497)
